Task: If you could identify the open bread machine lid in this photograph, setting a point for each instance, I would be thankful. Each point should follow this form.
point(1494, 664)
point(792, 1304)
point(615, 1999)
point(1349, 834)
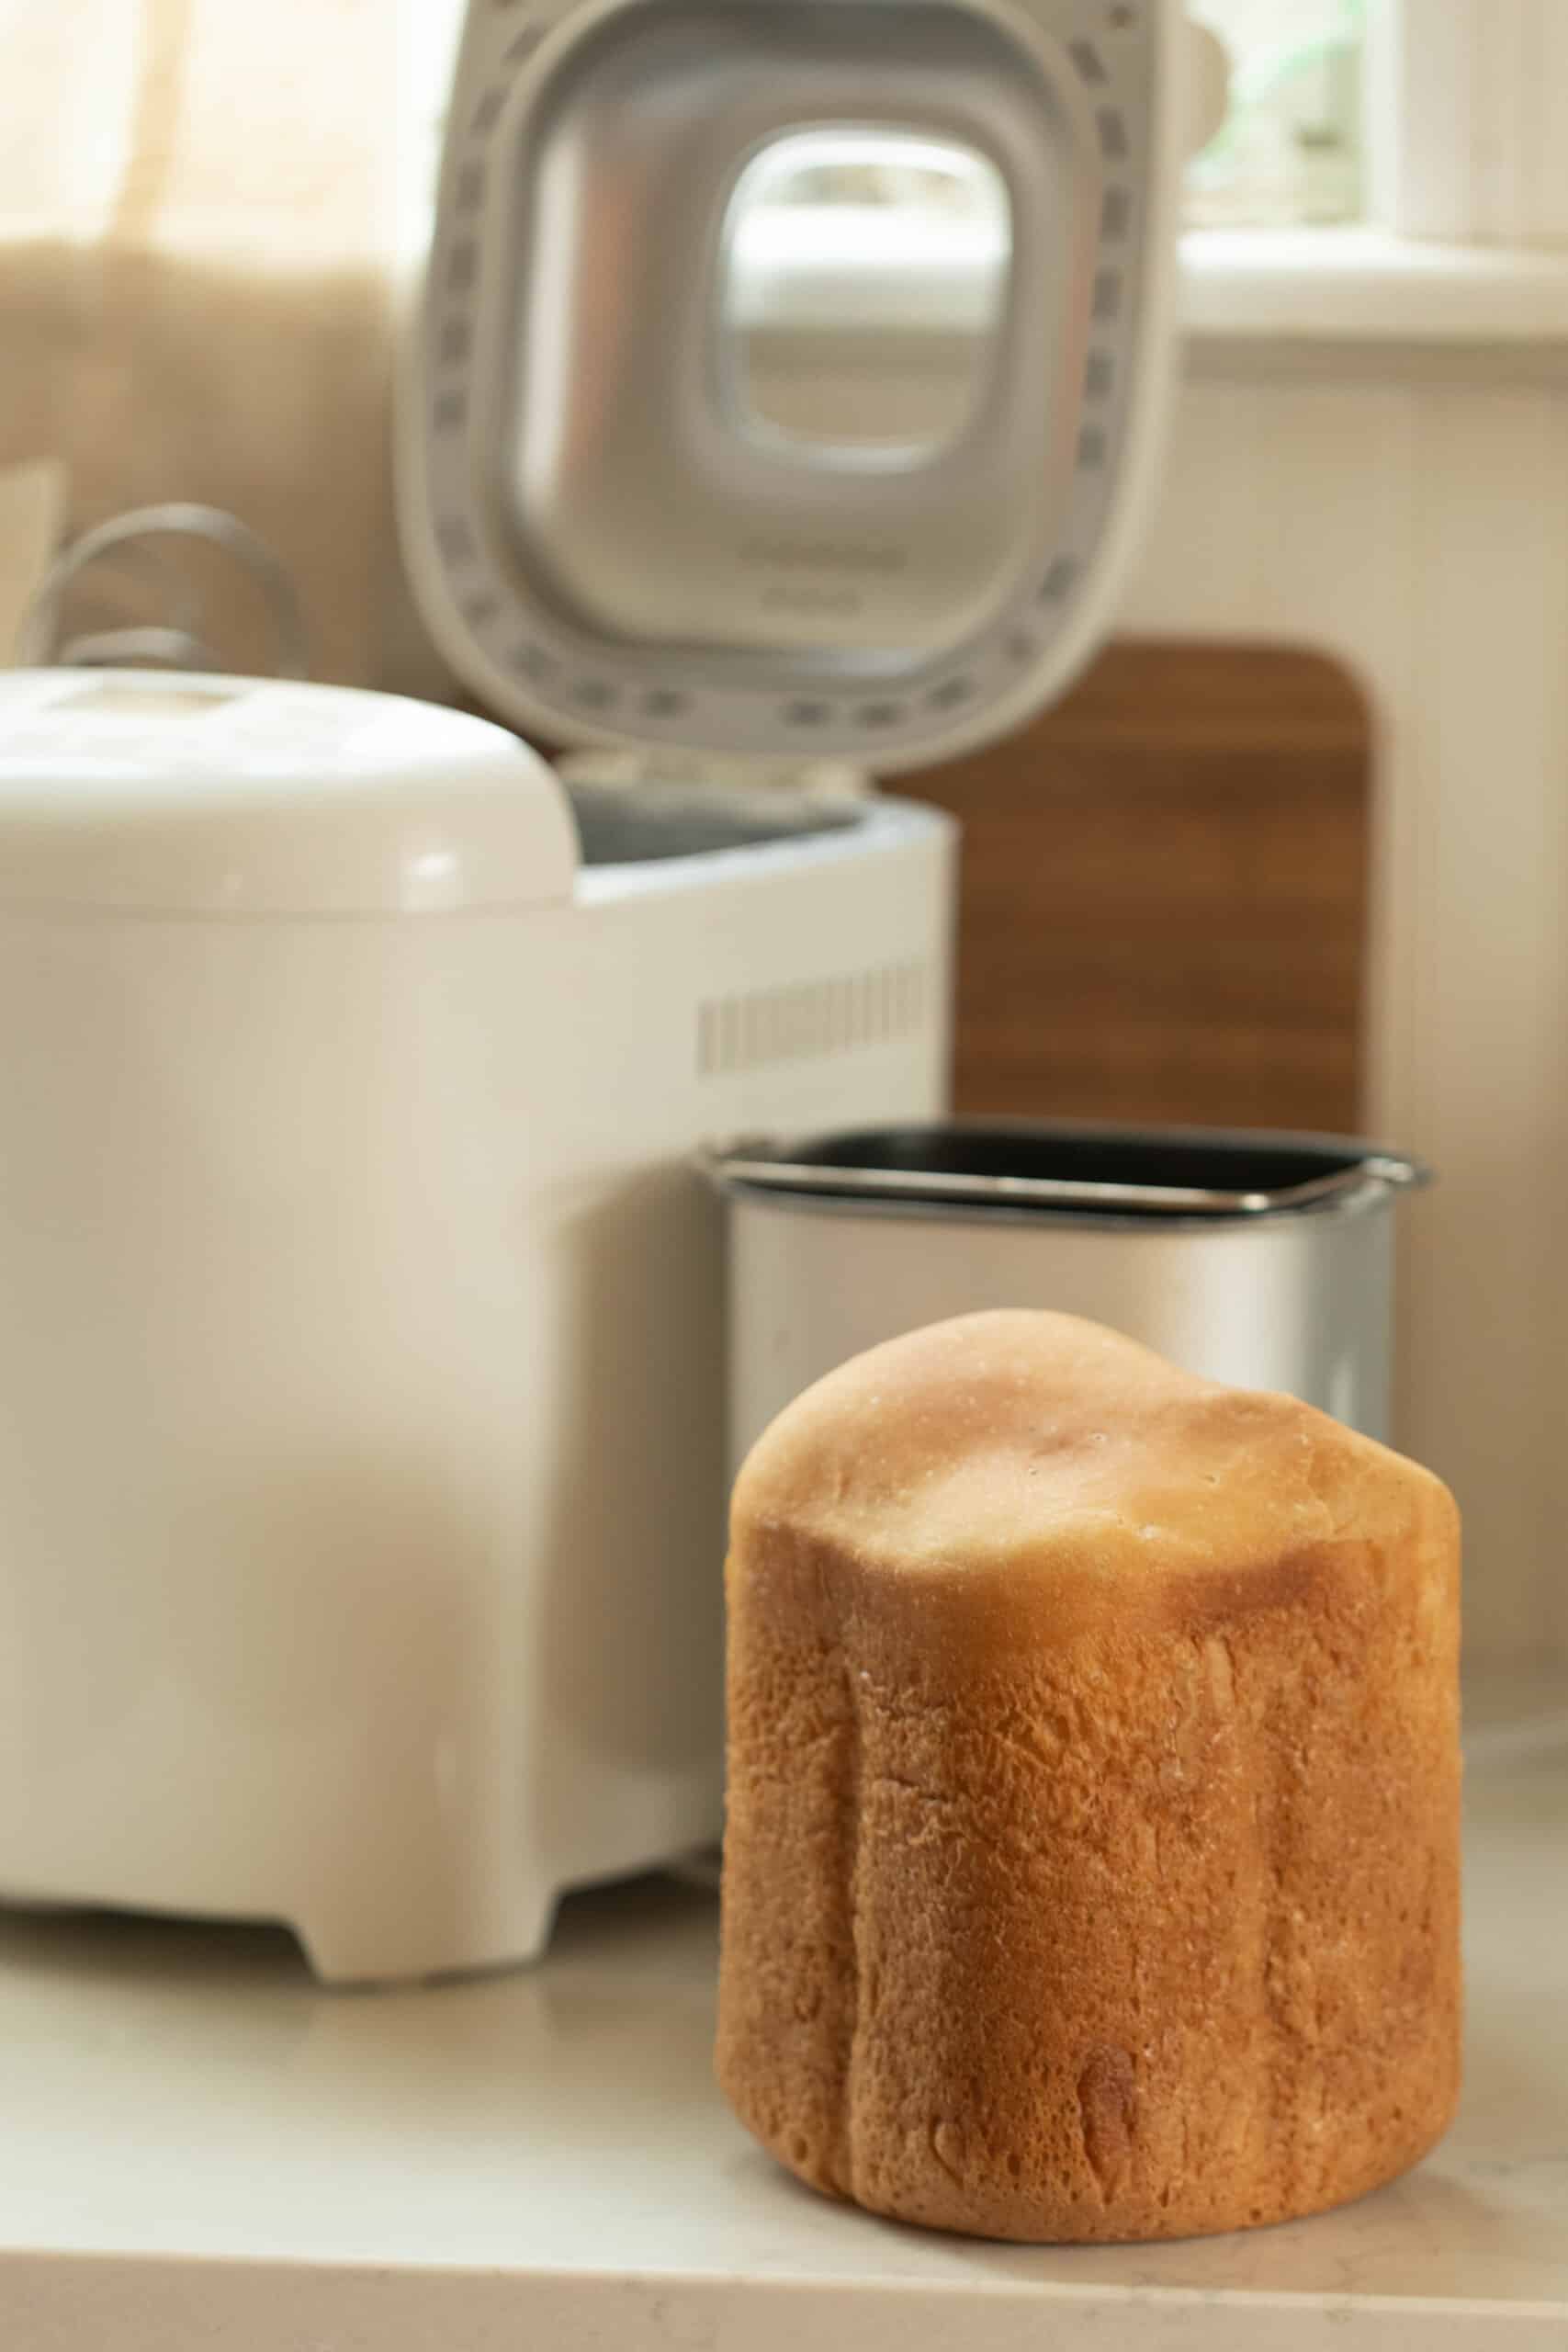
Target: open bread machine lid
point(786, 380)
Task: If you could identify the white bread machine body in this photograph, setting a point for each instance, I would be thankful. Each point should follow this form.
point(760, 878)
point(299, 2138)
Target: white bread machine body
point(363, 1386)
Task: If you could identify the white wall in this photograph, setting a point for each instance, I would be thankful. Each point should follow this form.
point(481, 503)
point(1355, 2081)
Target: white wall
point(1412, 515)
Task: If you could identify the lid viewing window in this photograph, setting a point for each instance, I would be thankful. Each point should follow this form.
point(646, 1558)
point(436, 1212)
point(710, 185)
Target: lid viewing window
point(840, 246)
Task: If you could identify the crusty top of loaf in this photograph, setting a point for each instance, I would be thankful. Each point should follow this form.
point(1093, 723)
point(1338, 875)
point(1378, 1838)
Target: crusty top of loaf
point(1019, 1440)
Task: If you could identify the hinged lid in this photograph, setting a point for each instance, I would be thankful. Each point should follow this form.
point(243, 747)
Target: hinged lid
point(701, 447)
point(189, 794)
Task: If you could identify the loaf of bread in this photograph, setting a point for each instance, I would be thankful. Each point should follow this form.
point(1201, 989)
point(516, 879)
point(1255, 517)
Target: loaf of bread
point(1092, 1859)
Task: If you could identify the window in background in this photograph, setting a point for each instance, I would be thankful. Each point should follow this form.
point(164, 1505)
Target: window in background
point(1291, 152)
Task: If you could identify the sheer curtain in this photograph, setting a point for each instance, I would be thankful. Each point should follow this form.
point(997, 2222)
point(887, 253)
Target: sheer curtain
point(203, 232)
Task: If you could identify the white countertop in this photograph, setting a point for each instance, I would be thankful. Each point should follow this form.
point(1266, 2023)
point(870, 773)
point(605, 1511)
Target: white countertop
point(199, 2149)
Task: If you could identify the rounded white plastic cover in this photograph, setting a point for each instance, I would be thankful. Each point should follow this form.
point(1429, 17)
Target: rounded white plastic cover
point(150, 791)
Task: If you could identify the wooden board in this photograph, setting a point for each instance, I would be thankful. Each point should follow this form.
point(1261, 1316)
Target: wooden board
point(1164, 897)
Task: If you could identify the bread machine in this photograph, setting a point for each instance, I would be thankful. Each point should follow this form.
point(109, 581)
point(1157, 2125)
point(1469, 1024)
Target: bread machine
point(363, 1470)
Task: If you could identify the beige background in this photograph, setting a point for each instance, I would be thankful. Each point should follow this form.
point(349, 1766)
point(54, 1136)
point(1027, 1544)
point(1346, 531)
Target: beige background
point(198, 287)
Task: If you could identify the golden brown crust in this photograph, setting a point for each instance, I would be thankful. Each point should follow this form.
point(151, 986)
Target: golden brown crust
point(1092, 1859)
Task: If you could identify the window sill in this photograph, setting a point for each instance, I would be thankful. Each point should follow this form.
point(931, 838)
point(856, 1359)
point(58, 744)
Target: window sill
point(1362, 286)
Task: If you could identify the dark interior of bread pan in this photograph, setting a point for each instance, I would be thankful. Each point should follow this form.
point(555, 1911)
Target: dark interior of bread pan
point(1174, 1163)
